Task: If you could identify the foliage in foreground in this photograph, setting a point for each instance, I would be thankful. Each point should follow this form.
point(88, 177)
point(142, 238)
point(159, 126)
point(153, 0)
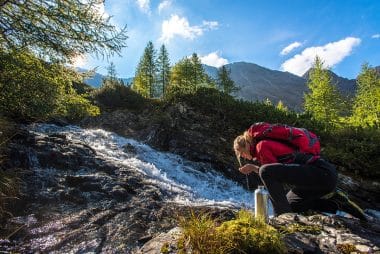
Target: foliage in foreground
point(59, 29)
point(245, 234)
point(32, 89)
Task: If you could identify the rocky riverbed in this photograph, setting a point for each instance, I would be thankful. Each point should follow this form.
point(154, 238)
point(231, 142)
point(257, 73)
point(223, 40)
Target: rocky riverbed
point(93, 191)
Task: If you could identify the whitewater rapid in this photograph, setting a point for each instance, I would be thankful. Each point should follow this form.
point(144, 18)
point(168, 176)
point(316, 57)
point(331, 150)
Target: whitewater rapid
point(186, 182)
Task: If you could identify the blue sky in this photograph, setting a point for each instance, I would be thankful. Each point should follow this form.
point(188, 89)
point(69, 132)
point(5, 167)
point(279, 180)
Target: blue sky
point(280, 35)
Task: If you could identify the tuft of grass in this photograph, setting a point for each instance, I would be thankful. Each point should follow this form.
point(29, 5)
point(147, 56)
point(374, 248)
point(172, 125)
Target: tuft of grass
point(9, 190)
point(347, 248)
point(245, 234)
point(296, 227)
point(165, 248)
point(9, 182)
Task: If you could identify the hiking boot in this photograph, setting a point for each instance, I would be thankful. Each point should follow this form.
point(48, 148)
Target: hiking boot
point(346, 205)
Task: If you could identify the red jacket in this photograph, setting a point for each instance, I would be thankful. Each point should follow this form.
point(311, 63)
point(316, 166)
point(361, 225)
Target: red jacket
point(268, 151)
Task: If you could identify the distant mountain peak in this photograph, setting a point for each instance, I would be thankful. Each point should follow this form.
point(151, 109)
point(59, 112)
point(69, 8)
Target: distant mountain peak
point(258, 83)
point(96, 80)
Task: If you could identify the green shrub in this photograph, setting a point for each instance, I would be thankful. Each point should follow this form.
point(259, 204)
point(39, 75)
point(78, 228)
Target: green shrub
point(118, 96)
point(29, 87)
point(239, 114)
point(32, 89)
point(245, 234)
point(82, 88)
point(355, 149)
point(74, 108)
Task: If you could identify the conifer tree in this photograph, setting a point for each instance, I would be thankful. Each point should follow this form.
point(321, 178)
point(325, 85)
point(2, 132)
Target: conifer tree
point(145, 77)
point(224, 81)
point(112, 74)
point(58, 29)
point(181, 75)
point(198, 74)
point(163, 66)
point(111, 78)
point(188, 75)
point(366, 109)
point(323, 99)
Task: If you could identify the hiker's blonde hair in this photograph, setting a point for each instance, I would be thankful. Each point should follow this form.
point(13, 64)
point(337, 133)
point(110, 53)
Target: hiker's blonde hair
point(240, 143)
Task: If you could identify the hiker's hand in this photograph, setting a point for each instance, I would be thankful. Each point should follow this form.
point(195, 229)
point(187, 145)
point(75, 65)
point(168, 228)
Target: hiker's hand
point(249, 168)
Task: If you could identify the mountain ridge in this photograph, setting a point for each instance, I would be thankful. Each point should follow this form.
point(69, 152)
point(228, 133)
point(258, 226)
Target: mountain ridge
point(258, 83)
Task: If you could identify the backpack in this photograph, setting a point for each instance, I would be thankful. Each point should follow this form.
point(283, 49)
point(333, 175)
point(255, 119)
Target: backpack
point(306, 143)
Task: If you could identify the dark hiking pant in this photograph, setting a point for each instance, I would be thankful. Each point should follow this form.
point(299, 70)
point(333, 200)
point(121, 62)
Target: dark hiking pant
point(309, 183)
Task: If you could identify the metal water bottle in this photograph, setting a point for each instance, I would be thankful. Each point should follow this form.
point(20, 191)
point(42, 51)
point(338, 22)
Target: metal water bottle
point(261, 202)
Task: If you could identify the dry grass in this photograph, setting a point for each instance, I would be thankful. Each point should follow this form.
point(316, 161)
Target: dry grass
point(9, 182)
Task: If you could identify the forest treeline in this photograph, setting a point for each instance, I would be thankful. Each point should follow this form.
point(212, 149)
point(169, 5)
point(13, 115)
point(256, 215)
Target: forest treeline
point(37, 84)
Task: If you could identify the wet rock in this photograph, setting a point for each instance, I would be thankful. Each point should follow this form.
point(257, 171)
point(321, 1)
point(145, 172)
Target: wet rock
point(324, 234)
point(163, 243)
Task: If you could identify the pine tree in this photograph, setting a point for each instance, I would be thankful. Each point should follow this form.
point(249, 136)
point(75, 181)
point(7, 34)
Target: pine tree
point(181, 75)
point(111, 78)
point(323, 100)
point(112, 74)
point(198, 75)
point(224, 81)
point(188, 75)
point(58, 29)
point(366, 109)
point(145, 77)
point(163, 66)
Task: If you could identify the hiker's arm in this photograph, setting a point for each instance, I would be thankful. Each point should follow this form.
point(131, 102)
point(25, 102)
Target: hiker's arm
point(249, 168)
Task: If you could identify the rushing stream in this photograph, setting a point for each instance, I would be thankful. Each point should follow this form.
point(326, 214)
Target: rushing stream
point(92, 191)
point(186, 182)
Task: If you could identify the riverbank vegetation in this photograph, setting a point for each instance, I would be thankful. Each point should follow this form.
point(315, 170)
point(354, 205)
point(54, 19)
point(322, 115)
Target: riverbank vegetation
point(244, 234)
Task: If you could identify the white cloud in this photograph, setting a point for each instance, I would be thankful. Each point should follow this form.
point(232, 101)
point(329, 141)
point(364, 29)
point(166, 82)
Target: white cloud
point(79, 61)
point(213, 59)
point(100, 9)
point(290, 47)
point(164, 5)
point(144, 5)
point(376, 36)
point(179, 26)
point(210, 24)
point(331, 53)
